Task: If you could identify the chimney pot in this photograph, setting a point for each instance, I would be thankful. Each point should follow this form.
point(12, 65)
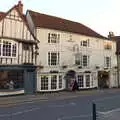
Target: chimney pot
point(20, 6)
point(111, 34)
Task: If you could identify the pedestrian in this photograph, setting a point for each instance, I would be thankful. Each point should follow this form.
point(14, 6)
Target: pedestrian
point(11, 85)
point(75, 86)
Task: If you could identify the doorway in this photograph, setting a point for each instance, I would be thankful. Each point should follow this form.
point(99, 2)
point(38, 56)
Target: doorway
point(71, 83)
point(103, 79)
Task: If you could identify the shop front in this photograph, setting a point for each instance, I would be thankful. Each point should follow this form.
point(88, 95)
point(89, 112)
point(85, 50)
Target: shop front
point(18, 77)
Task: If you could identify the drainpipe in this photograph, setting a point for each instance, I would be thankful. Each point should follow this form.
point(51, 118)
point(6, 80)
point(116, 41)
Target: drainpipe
point(118, 68)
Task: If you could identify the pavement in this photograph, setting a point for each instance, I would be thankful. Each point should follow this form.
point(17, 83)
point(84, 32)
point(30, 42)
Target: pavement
point(21, 99)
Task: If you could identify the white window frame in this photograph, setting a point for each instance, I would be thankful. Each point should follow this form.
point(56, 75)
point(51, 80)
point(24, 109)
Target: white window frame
point(60, 81)
point(107, 60)
point(53, 38)
point(50, 59)
point(53, 82)
point(85, 43)
point(88, 85)
point(80, 81)
point(87, 60)
point(78, 59)
point(13, 47)
point(44, 85)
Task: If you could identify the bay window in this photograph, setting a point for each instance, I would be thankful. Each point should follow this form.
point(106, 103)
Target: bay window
point(8, 48)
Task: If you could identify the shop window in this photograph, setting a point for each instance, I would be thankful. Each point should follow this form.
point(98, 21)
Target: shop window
point(87, 80)
point(80, 81)
point(53, 81)
point(44, 83)
point(60, 81)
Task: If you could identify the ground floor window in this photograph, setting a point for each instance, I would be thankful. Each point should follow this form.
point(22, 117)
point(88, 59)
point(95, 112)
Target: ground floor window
point(11, 79)
point(60, 81)
point(53, 81)
point(92, 80)
point(49, 82)
point(80, 81)
point(87, 80)
point(44, 83)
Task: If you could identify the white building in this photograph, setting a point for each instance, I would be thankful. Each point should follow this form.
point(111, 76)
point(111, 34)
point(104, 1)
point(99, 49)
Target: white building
point(68, 47)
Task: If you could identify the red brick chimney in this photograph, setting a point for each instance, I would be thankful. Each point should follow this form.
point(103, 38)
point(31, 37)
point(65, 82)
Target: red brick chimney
point(20, 6)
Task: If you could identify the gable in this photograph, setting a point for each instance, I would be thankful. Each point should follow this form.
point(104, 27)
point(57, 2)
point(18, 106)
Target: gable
point(14, 25)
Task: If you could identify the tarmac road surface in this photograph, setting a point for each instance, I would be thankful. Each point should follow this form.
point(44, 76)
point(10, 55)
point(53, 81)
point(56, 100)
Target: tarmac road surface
point(78, 107)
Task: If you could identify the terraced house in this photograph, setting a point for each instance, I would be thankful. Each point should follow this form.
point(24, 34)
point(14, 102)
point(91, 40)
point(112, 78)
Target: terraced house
point(44, 53)
point(71, 51)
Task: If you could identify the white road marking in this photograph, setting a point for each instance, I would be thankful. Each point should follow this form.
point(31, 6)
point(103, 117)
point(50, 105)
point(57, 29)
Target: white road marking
point(73, 117)
point(111, 111)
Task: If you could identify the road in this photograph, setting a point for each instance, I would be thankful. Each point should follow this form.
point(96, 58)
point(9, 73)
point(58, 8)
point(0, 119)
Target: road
point(76, 108)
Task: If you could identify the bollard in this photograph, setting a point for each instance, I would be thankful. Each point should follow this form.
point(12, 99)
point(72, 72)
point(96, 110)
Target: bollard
point(94, 111)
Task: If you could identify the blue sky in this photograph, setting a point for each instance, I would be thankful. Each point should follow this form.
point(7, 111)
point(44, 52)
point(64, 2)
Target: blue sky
point(100, 15)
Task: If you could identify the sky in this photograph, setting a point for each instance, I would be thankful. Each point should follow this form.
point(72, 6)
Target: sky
point(102, 16)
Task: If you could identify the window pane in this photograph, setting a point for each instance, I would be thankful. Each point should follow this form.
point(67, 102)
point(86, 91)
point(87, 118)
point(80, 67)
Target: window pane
point(48, 58)
point(54, 82)
point(53, 38)
point(44, 83)
point(14, 50)
point(53, 58)
point(87, 80)
point(6, 48)
point(60, 81)
point(48, 37)
point(84, 60)
point(77, 59)
point(80, 81)
point(85, 43)
point(107, 61)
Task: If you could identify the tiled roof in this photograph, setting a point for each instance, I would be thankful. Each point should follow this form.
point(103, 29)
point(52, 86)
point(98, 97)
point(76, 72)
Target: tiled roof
point(51, 22)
